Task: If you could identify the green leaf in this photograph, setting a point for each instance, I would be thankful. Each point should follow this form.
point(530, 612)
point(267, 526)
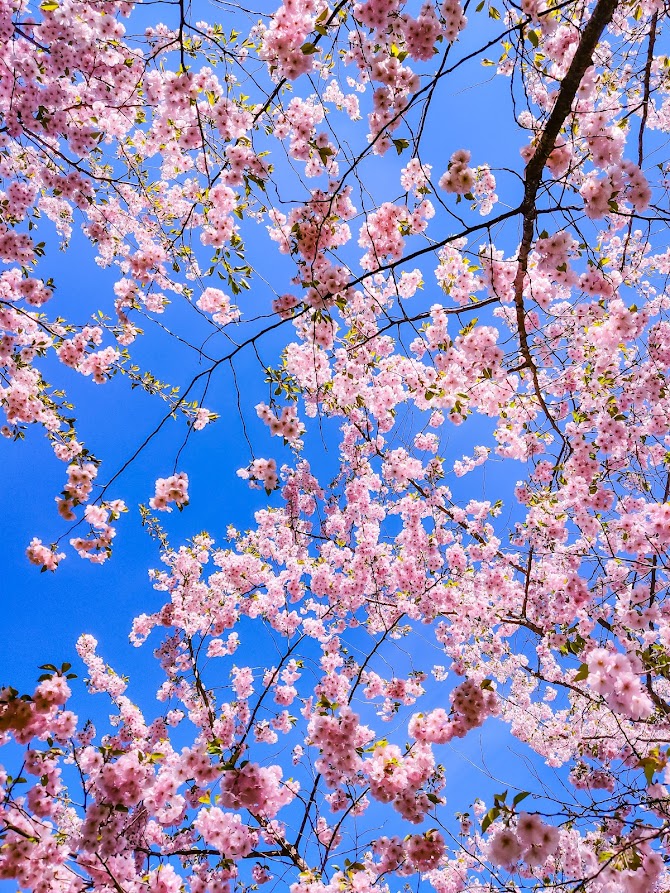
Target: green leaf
point(650, 765)
point(308, 49)
point(519, 797)
point(400, 145)
point(324, 153)
point(48, 6)
point(489, 818)
point(582, 673)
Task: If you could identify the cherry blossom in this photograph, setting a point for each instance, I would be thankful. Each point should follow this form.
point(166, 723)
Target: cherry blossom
point(457, 447)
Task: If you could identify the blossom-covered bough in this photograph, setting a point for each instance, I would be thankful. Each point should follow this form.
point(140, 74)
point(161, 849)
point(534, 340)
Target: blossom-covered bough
point(317, 667)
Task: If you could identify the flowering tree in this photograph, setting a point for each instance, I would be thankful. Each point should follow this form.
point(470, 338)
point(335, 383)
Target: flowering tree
point(524, 299)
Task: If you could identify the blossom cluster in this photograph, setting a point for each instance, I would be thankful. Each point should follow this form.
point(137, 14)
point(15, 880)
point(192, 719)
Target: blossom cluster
point(168, 490)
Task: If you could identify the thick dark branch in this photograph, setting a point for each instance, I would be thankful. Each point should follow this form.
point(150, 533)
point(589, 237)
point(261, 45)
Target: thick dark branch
point(582, 60)
point(287, 849)
point(647, 83)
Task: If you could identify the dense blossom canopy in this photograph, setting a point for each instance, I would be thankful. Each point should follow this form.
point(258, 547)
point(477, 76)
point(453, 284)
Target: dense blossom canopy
point(426, 282)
